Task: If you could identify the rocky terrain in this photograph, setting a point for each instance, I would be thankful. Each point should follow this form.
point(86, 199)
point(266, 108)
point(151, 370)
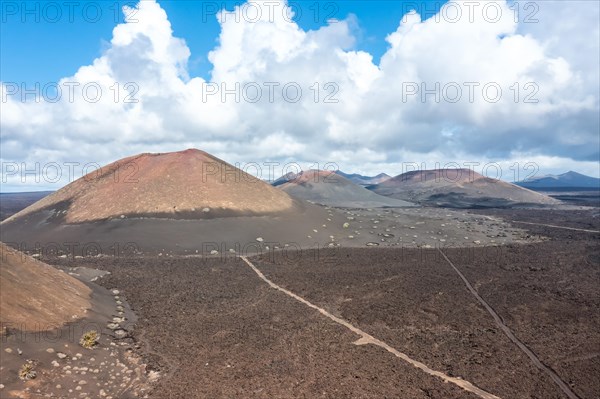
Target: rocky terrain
point(315, 227)
point(215, 317)
point(64, 336)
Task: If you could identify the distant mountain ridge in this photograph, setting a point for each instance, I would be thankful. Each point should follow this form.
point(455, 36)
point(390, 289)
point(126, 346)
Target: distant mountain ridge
point(361, 180)
point(364, 180)
point(569, 179)
point(284, 179)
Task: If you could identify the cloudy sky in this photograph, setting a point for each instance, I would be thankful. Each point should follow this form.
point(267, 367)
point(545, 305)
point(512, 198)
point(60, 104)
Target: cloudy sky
point(368, 86)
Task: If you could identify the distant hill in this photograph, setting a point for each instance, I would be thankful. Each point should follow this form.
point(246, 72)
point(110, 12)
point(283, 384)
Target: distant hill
point(361, 180)
point(364, 180)
point(11, 203)
point(458, 188)
point(330, 188)
point(284, 179)
point(570, 179)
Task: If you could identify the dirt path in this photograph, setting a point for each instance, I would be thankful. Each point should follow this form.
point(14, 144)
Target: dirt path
point(557, 227)
point(368, 339)
point(561, 384)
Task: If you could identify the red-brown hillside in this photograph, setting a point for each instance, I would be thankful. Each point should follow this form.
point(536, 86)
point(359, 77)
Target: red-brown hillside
point(34, 295)
point(461, 188)
point(189, 184)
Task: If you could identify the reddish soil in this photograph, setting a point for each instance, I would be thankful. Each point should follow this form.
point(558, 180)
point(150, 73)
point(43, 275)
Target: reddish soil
point(34, 294)
point(190, 184)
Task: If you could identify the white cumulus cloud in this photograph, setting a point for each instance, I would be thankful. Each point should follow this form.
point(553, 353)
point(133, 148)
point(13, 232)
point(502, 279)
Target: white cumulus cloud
point(447, 88)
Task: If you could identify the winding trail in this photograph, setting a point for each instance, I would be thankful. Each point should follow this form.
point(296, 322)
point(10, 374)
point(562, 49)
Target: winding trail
point(561, 384)
point(369, 339)
point(556, 227)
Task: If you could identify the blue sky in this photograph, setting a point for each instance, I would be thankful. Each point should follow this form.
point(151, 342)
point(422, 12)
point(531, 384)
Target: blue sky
point(53, 46)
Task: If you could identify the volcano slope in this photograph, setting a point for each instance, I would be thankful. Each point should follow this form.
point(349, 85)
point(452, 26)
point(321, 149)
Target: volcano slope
point(44, 312)
point(330, 188)
point(174, 185)
point(34, 294)
point(184, 202)
point(459, 188)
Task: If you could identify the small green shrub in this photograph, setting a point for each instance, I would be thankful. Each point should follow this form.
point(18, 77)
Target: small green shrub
point(89, 339)
point(26, 372)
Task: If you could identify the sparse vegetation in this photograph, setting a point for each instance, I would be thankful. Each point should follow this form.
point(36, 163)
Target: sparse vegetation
point(89, 339)
point(27, 372)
